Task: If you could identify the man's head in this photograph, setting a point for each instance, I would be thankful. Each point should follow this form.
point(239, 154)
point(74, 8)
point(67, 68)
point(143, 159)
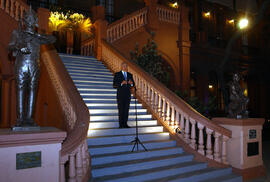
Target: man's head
point(124, 67)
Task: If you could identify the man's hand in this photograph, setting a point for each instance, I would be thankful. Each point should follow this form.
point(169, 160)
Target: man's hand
point(130, 82)
point(124, 82)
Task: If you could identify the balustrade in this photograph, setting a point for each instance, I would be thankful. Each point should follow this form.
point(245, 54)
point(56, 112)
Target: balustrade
point(126, 25)
point(15, 8)
point(173, 111)
point(88, 47)
point(168, 15)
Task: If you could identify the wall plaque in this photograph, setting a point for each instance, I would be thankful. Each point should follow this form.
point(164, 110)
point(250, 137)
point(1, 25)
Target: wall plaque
point(28, 160)
point(253, 148)
point(252, 134)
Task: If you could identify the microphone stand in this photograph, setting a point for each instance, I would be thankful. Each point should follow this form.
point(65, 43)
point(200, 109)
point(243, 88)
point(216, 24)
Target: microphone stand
point(136, 141)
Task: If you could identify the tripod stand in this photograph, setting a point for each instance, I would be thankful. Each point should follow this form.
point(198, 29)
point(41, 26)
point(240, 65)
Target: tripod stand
point(136, 141)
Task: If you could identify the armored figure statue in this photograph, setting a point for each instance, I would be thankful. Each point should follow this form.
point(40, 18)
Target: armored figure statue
point(238, 101)
point(25, 46)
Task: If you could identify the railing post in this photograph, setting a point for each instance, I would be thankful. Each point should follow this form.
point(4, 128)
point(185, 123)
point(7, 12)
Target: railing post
point(173, 117)
point(159, 106)
point(12, 8)
point(187, 130)
point(163, 109)
point(2, 4)
point(72, 170)
point(216, 147)
point(7, 6)
point(182, 124)
point(209, 152)
point(224, 149)
point(168, 117)
point(62, 172)
point(193, 134)
point(177, 121)
point(79, 167)
point(201, 140)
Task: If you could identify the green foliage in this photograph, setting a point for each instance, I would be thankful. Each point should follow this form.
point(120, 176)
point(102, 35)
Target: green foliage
point(150, 60)
point(206, 109)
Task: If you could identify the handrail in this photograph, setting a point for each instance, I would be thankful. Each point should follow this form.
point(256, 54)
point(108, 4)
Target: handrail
point(172, 110)
point(75, 114)
point(168, 14)
point(127, 24)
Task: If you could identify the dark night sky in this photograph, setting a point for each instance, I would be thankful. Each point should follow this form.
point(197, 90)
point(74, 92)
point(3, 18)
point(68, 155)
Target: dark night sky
point(241, 5)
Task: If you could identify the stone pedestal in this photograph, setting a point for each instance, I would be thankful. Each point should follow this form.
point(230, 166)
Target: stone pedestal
point(244, 149)
point(30, 155)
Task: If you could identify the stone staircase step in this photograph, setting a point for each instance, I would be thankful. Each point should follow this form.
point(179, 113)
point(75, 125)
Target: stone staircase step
point(127, 147)
point(92, 78)
point(109, 106)
point(153, 174)
point(128, 156)
point(141, 164)
point(196, 176)
point(91, 75)
point(89, 72)
point(115, 124)
point(84, 68)
point(226, 178)
point(90, 64)
point(123, 131)
point(107, 140)
point(115, 117)
point(109, 111)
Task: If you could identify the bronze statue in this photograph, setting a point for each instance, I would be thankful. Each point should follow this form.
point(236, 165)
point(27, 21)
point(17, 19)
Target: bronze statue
point(238, 101)
point(25, 46)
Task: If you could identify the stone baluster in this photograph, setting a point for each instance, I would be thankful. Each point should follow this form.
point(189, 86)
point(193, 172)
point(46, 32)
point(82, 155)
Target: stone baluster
point(149, 94)
point(72, 171)
point(224, 149)
point(2, 4)
point(17, 7)
point(12, 13)
point(7, 6)
point(172, 123)
point(163, 109)
point(168, 113)
point(193, 134)
point(62, 172)
point(145, 18)
point(84, 158)
point(182, 124)
point(201, 139)
point(159, 106)
point(217, 147)
point(79, 168)
point(187, 130)
point(177, 121)
point(21, 12)
point(156, 102)
point(153, 98)
point(145, 92)
point(209, 152)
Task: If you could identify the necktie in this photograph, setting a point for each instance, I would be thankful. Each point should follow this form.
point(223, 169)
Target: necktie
point(125, 75)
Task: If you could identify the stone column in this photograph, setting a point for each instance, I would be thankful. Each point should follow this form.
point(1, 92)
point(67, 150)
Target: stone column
point(101, 33)
point(152, 16)
point(183, 44)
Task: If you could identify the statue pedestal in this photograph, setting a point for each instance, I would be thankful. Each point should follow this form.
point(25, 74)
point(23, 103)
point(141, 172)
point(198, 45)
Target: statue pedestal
point(30, 155)
point(244, 149)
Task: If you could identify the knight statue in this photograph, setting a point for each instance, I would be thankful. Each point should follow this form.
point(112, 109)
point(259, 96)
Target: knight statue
point(25, 46)
point(238, 101)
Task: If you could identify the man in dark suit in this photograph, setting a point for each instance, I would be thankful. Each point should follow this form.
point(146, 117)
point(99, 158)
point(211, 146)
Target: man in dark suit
point(123, 81)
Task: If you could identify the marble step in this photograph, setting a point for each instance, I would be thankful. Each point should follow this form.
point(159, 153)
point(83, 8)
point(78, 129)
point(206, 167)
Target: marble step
point(141, 164)
point(115, 117)
point(128, 156)
point(127, 147)
point(109, 111)
point(107, 140)
point(115, 124)
point(154, 174)
point(123, 131)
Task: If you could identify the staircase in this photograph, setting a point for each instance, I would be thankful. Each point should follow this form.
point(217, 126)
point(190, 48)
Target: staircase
point(110, 147)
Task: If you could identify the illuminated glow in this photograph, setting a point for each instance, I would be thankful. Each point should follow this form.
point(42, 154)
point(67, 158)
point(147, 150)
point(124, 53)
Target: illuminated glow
point(243, 23)
point(246, 92)
point(207, 14)
point(231, 21)
point(210, 86)
point(174, 5)
point(75, 22)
